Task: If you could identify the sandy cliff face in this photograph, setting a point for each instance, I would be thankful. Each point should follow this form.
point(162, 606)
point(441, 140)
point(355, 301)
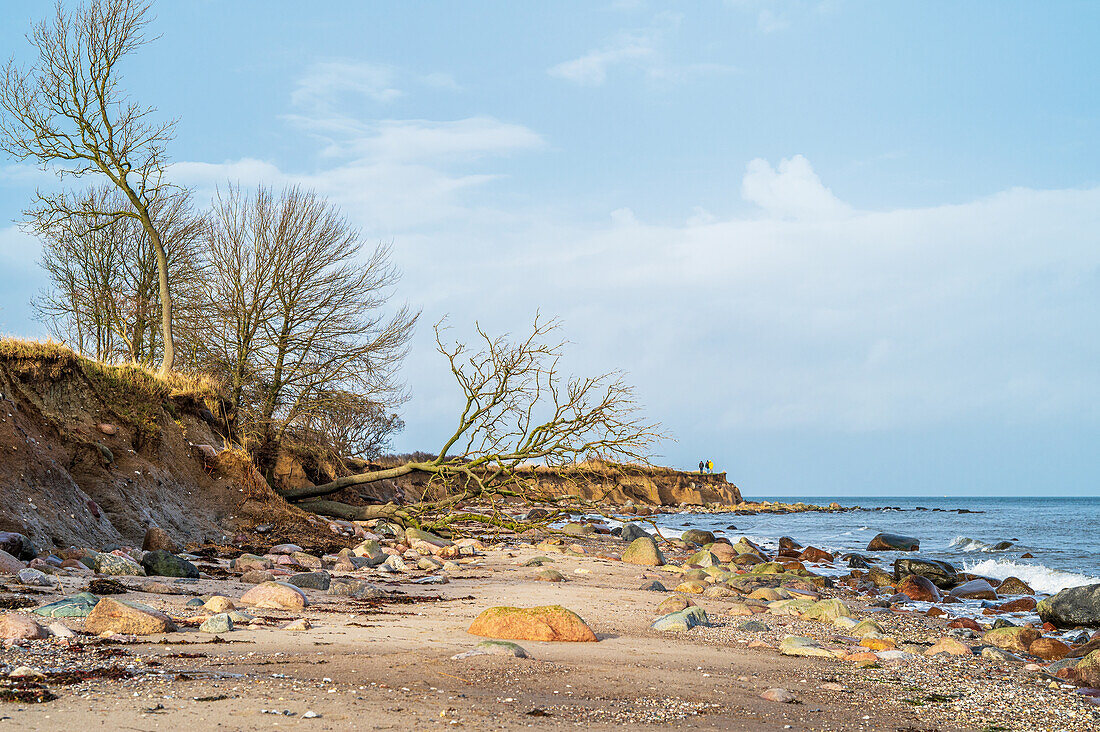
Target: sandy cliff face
point(85, 461)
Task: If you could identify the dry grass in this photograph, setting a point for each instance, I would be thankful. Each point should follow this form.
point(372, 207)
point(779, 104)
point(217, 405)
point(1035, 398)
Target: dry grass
point(136, 393)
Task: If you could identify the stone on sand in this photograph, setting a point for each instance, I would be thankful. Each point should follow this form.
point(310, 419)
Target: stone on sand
point(645, 552)
point(131, 618)
point(19, 627)
point(276, 596)
point(1017, 640)
point(546, 623)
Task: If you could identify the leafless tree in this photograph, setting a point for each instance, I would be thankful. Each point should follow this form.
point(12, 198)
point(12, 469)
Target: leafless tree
point(67, 113)
point(353, 425)
point(299, 311)
point(520, 415)
point(103, 293)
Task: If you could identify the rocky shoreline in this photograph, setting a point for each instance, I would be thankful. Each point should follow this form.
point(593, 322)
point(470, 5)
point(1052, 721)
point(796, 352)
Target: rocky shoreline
point(405, 630)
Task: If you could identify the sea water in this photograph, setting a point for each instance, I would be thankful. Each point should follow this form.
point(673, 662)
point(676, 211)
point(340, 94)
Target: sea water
point(1062, 534)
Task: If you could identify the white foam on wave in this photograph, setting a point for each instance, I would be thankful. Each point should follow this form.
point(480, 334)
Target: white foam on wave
point(966, 544)
point(1041, 579)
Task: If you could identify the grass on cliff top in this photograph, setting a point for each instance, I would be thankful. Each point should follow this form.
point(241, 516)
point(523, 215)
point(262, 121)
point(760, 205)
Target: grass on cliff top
point(134, 392)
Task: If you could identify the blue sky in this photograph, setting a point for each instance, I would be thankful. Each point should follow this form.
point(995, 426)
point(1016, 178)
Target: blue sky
point(842, 248)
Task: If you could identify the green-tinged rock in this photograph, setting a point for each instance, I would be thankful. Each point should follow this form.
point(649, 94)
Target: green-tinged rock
point(696, 575)
point(866, 627)
point(1088, 669)
point(793, 607)
point(673, 604)
point(575, 529)
point(704, 559)
point(218, 623)
point(319, 580)
point(942, 574)
point(76, 606)
point(116, 566)
point(412, 535)
point(753, 626)
point(744, 546)
point(239, 616)
point(645, 552)
point(681, 620)
point(1016, 640)
point(550, 575)
point(161, 563)
point(794, 645)
point(718, 592)
point(631, 532)
point(539, 561)
point(827, 611)
point(501, 648)
point(653, 586)
point(1072, 607)
point(698, 537)
point(357, 589)
point(845, 623)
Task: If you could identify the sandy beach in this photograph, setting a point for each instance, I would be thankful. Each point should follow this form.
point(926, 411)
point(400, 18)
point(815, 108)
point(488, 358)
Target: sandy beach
point(387, 663)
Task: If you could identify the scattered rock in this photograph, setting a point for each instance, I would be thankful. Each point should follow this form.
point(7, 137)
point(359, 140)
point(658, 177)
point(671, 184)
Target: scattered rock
point(20, 627)
point(942, 574)
point(76, 606)
point(698, 537)
point(631, 532)
point(1017, 640)
point(275, 595)
point(1072, 607)
point(163, 563)
point(681, 620)
point(794, 645)
point(950, 646)
point(9, 564)
point(299, 624)
point(217, 623)
point(1048, 649)
point(779, 695)
point(975, 589)
point(493, 648)
point(120, 616)
point(919, 588)
point(893, 543)
point(115, 566)
point(547, 623)
point(653, 586)
point(218, 604)
point(1014, 586)
point(357, 589)
point(644, 551)
point(35, 578)
point(320, 580)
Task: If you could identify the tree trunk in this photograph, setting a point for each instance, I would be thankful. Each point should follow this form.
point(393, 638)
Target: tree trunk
point(297, 494)
point(390, 511)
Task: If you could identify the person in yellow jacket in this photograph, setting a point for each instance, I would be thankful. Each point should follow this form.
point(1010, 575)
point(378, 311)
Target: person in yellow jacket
point(710, 466)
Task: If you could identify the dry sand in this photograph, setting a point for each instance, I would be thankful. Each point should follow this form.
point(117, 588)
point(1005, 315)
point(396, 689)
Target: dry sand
point(390, 668)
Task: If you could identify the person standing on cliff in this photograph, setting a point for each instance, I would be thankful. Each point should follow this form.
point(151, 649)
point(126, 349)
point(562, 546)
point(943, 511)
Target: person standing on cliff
point(710, 466)
point(702, 465)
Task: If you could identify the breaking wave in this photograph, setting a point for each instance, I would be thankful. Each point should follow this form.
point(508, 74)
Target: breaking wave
point(1041, 579)
point(966, 544)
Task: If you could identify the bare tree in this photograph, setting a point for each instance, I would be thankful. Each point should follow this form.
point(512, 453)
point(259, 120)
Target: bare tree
point(299, 311)
point(519, 415)
point(67, 113)
point(103, 294)
point(352, 425)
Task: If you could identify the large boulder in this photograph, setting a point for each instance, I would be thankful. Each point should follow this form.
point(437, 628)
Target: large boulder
point(699, 537)
point(547, 623)
point(1014, 586)
point(975, 589)
point(644, 551)
point(9, 564)
point(20, 627)
point(682, 620)
point(17, 545)
point(942, 574)
point(633, 531)
point(1072, 607)
point(131, 618)
point(117, 566)
point(275, 595)
point(163, 563)
point(1015, 639)
point(79, 605)
point(893, 543)
point(919, 588)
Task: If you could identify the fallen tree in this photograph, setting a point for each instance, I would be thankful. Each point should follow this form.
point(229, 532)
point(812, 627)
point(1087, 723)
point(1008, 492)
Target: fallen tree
point(520, 411)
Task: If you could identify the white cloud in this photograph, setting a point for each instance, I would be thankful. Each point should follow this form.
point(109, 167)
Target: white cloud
point(326, 81)
point(591, 68)
point(641, 49)
point(792, 190)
